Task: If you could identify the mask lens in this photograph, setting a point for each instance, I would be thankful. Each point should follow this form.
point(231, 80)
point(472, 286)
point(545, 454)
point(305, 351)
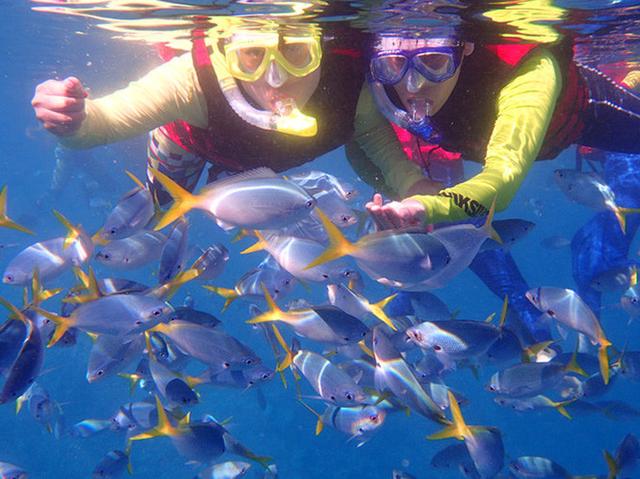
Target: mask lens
point(250, 59)
point(437, 63)
point(438, 66)
point(389, 69)
point(297, 54)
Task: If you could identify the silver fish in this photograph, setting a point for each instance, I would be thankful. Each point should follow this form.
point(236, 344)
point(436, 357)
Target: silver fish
point(395, 375)
point(113, 464)
point(9, 471)
point(132, 213)
point(256, 199)
point(330, 382)
point(211, 262)
point(590, 190)
point(225, 470)
point(174, 251)
point(132, 252)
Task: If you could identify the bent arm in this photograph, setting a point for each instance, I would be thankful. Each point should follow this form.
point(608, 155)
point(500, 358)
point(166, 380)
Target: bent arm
point(167, 93)
point(524, 110)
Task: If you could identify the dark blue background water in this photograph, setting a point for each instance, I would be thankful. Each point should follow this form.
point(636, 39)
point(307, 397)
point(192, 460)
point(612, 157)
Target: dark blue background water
point(39, 46)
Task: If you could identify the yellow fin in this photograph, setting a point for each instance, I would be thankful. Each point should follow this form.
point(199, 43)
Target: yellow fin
point(488, 226)
point(339, 246)
point(573, 365)
point(462, 430)
point(612, 465)
point(319, 423)
point(73, 231)
point(503, 312)
point(183, 201)
point(365, 349)
point(135, 179)
point(5, 221)
point(98, 239)
point(259, 245)
point(286, 362)
point(377, 310)
point(603, 358)
point(163, 428)
point(621, 215)
point(230, 295)
point(490, 318)
point(62, 325)
point(133, 378)
point(16, 312)
point(274, 313)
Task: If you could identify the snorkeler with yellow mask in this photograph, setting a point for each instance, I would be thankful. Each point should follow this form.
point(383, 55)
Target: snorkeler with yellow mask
point(252, 92)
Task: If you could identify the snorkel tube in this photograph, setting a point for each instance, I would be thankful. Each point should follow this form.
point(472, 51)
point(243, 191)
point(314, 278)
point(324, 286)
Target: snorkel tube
point(422, 127)
point(287, 118)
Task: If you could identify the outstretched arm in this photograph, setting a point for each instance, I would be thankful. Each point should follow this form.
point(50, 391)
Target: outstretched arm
point(525, 107)
point(167, 93)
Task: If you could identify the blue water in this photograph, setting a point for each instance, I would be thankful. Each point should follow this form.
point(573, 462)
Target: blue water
point(37, 46)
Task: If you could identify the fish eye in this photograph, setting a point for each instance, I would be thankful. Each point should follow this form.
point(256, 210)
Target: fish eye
point(492, 387)
point(265, 376)
point(437, 347)
point(105, 255)
point(248, 361)
point(99, 372)
point(113, 231)
point(157, 312)
point(325, 276)
point(344, 219)
point(138, 323)
point(250, 382)
point(131, 426)
point(9, 278)
point(349, 396)
point(346, 338)
point(361, 430)
point(373, 418)
point(332, 397)
point(226, 365)
point(309, 204)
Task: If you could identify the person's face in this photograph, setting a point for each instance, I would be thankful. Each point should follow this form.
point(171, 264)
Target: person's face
point(276, 89)
point(283, 61)
point(423, 97)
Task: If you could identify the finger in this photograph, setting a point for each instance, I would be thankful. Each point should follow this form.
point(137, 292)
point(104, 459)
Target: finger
point(54, 121)
point(377, 199)
point(62, 104)
point(73, 87)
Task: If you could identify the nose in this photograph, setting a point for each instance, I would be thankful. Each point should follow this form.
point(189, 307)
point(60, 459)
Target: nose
point(415, 81)
point(276, 76)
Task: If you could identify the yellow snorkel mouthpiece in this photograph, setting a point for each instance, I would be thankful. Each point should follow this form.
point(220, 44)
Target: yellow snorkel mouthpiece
point(297, 123)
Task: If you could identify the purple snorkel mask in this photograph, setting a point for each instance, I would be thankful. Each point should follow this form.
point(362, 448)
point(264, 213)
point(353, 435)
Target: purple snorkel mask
point(394, 58)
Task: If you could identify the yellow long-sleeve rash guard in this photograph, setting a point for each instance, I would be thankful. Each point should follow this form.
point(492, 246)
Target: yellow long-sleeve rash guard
point(524, 110)
point(167, 93)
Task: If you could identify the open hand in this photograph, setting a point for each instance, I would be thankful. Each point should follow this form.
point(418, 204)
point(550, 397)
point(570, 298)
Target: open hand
point(396, 214)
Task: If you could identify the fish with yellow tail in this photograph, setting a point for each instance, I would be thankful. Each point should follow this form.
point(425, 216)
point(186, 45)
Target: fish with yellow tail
point(396, 258)
point(255, 199)
point(325, 324)
point(566, 307)
point(483, 443)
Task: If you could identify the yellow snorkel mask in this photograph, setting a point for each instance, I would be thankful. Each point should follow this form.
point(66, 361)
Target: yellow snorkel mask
point(246, 54)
